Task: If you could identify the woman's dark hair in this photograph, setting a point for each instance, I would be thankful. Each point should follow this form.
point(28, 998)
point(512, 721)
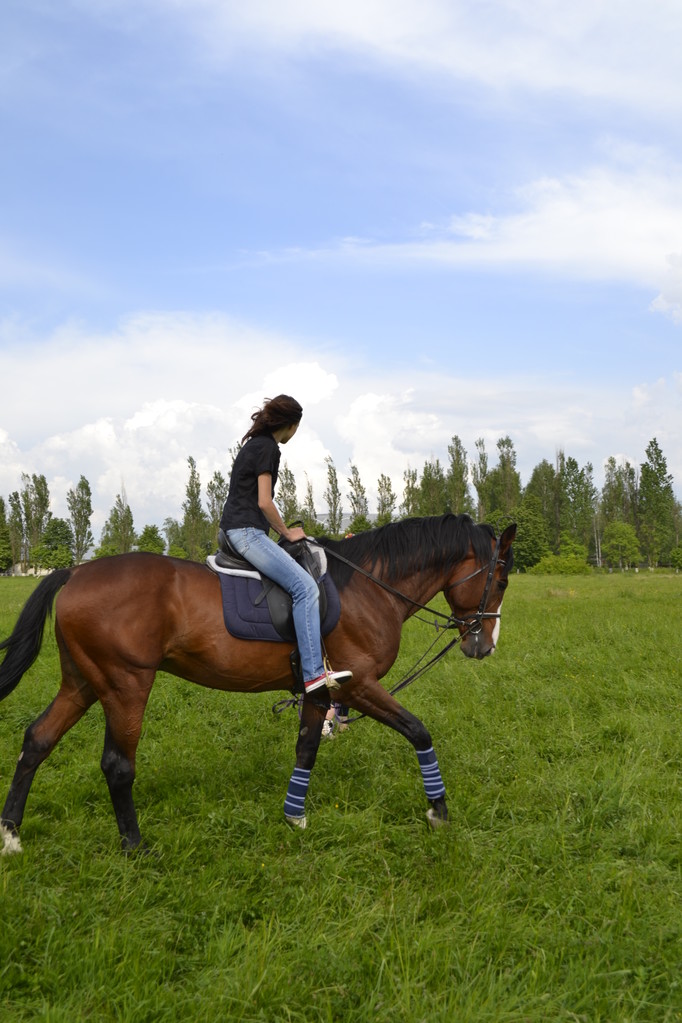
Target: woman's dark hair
point(280, 411)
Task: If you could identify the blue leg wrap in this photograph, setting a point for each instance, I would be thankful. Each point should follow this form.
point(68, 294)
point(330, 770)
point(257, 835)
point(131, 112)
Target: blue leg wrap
point(294, 804)
point(433, 782)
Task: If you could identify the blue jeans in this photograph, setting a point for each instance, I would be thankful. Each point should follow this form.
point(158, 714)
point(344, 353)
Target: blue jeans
point(274, 562)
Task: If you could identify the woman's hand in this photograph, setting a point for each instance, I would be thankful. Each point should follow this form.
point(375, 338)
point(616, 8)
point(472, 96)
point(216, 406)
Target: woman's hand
point(294, 534)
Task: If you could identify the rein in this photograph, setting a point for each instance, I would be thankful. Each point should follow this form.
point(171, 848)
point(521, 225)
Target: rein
point(473, 624)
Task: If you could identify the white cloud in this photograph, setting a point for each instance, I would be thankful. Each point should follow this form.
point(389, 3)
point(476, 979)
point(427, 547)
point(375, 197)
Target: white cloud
point(608, 223)
point(626, 53)
point(405, 419)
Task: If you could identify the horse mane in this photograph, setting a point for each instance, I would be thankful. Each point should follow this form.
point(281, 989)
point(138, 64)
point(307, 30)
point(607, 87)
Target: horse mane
point(410, 546)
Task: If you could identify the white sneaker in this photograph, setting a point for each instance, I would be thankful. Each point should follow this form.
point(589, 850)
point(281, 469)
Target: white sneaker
point(328, 730)
point(332, 679)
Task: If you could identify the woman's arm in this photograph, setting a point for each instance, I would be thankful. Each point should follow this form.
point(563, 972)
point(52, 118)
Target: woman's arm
point(269, 509)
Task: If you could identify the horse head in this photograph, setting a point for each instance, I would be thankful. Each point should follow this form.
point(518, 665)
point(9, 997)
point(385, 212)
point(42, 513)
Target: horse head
point(475, 595)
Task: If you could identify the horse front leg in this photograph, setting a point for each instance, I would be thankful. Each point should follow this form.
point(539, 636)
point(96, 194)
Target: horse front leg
point(373, 700)
point(313, 714)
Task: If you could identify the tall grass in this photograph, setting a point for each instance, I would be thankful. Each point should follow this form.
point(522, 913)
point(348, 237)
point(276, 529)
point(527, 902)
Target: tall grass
point(554, 895)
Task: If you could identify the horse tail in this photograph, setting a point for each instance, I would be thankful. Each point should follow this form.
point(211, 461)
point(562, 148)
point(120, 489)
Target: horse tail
point(23, 646)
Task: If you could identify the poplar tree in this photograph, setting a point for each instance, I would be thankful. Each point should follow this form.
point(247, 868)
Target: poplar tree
point(619, 493)
point(503, 482)
point(310, 524)
point(359, 505)
point(217, 490)
point(17, 542)
point(5, 546)
point(287, 499)
point(118, 534)
point(479, 473)
point(79, 503)
point(195, 524)
point(577, 499)
point(542, 485)
point(410, 503)
point(457, 479)
point(432, 489)
point(386, 501)
point(35, 503)
point(332, 496)
point(656, 506)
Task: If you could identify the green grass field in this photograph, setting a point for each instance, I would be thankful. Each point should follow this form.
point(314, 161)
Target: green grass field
point(555, 894)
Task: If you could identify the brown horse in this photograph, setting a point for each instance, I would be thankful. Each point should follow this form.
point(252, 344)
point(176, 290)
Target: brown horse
point(120, 620)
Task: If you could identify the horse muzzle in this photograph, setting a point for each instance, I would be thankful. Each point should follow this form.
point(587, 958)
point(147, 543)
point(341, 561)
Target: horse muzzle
point(477, 645)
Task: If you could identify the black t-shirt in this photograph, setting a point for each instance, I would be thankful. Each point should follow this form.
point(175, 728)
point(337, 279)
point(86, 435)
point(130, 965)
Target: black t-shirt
point(260, 454)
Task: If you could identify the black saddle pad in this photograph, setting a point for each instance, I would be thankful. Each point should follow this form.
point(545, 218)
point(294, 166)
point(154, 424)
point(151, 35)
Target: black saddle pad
point(249, 614)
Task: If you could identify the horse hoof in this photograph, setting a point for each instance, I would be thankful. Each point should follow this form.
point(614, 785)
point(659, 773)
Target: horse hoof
point(297, 822)
point(434, 819)
point(10, 842)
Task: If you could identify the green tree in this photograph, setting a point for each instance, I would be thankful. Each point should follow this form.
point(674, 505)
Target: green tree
point(79, 503)
point(118, 534)
point(151, 541)
point(386, 501)
point(543, 486)
point(173, 531)
point(479, 474)
point(620, 546)
point(216, 494)
point(195, 522)
point(432, 489)
point(459, 499)
point(55, 549)
point(502, 485)
point(35, 500)
point(410, 502)
point(287, 499)
point(18, 543)
point(577, 501)
point(310, 523)
point(619, 493)
point(29, 515)
point(332, 496)
point(656, 506)
point(532, 542)
point(359, 506)
point(5, 545)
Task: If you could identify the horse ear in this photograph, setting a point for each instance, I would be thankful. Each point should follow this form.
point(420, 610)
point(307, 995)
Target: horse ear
point(507, 539)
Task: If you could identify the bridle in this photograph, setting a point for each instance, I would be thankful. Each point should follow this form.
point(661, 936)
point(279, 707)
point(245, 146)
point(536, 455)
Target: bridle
point(473, 623)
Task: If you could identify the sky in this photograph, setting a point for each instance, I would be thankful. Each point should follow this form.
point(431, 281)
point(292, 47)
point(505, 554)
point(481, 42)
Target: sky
point(422, 218)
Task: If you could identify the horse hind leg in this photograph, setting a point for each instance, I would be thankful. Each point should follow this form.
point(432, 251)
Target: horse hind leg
point(40, 738)
point(122, 734)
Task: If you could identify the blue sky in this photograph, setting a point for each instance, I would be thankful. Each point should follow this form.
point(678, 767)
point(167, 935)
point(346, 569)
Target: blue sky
point(423, 219)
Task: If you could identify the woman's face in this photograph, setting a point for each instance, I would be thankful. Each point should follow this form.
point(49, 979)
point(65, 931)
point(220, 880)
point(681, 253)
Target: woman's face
point(288, 432)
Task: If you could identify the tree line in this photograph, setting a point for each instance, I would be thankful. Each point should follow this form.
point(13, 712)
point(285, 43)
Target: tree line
point(565, 522)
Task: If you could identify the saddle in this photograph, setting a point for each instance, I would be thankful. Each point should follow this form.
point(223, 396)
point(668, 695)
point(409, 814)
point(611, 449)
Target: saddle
point(256, 607)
